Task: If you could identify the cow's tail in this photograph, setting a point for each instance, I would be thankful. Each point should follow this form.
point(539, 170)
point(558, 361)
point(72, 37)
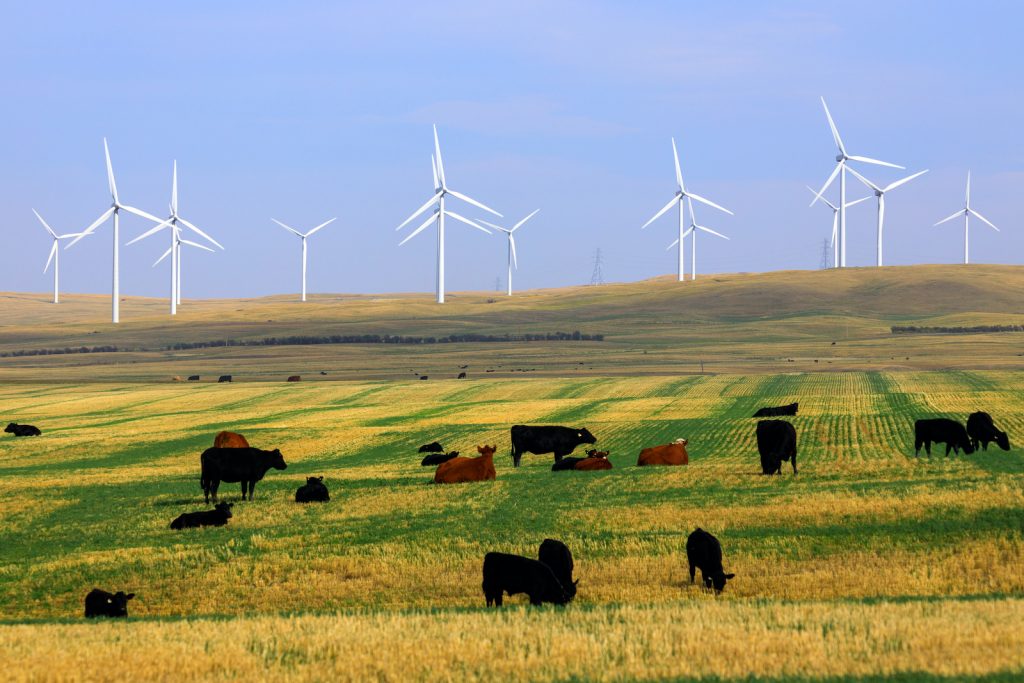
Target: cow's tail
point(204, 483)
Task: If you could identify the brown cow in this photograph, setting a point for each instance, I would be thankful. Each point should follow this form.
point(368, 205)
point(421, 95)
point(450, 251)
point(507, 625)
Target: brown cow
point(461, 469)
point(295, 378)
point(595, 460)
point(670, 454)
point(230, 440)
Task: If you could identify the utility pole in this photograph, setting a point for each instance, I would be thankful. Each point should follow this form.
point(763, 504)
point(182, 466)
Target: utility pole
point(826, 255)
point(597, 277)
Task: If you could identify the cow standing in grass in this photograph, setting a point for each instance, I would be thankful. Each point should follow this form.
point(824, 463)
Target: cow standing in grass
point(941, 430)
point(776, 442)
point(515, 574)
point(704, 552)
point(245, 465)
point(983, 431)
point(557, 556)
point(100, 603)
point(540, 440)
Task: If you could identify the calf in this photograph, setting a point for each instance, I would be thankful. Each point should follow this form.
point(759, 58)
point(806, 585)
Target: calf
point(99, 603)
point(313, 491)
point(438, 458)
point(459, 469)
point(595, 460)
point(224, 378)
point(218, 516)
point(245, 465)
point(705, 552)
point(776, 441)
point(941, 430)
point(22, 430)
point(540, 440)
point(778, 411)
point(432, 447)
point(982, 431)
point(515, 574)
point(229, 440)
point(669, 454)
point(558, 558)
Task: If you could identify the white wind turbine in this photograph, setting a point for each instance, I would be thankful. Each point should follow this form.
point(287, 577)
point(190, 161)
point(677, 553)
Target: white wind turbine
point(115, 210)
point(512, 260)
point(303, 238)
point(681, 193)
point(834, 243)
point(54, 255)
point(441, 190)
point(841, 158)
point(967, 212)
point(880, 193)
point(692, 231)
point(174, 251)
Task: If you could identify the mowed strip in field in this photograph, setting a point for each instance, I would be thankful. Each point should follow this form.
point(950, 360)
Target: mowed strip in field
point(858, 559)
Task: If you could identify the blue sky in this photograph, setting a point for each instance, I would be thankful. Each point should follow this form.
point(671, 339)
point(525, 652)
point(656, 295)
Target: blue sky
point(304, 111)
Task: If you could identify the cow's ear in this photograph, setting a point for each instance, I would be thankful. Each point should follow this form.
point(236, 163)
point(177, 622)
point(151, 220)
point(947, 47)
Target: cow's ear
point(730, 576)
point(129, 596)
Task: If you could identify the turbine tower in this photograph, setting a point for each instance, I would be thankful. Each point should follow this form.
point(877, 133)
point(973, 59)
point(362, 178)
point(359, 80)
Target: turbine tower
point(172, 222)
point(692, 231)
point(880, 193)
point(441, 191)
point(841, 158)
point(303, 238)
point(681, 193)
point(512, 260)
point(54, 255)
point(834, 242)
point(115, 210)
point(967, 212)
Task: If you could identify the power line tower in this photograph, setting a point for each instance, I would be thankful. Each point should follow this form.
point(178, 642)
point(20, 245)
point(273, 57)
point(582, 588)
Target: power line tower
point(597, 277)
point(826, 255)
point(497, 284)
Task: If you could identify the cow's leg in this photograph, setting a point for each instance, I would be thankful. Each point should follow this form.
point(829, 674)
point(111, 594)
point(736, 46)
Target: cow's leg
point(516, 457)
point(243, 488)
point(693, 572)
point(928, 448)
point(949, 447)
point(793, 462)
point(252, 487)
point(498, 599)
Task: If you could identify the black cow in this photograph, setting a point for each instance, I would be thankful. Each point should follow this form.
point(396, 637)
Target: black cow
point(514, 574)
point(438, 458)
point(558, 558)
point(776, 441)
point(778, 411)
point(100, 603)
point(941, 430)
point(224, 378)
point(313, 491)
point(462, 375)
point(193, 378)
point(424, 377)
point(245, 465)
point(22, 430)
point(566, 463)
point(705, 552)
point(432, 447)
point(982, 431)
point(539, 440)
point(218, 516)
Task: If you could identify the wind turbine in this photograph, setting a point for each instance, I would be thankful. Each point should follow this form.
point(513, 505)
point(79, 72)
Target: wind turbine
point(880, 193)
point(966, 212)
point(835, 223)
point(441, 190)
point(692, 231)
point(303, 238)
point(512, 260)
point(115, 210)
point(54, 255)
point(681, 193)
point(175, 251)
point(841, 158)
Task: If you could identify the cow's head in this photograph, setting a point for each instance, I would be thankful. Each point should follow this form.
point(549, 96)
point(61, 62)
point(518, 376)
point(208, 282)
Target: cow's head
point(224, 509)
point(967, 446)
point(681, 442)
point(594, 453)
point(585, 436)
point(277, 460)
point(310, 481)
point(486, 450)
point(11, 427)
point(717, 581)
point(1003, 440)
point(117, 604)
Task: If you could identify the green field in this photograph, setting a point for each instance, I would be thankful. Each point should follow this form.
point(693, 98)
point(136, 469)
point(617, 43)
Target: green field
point(870, 564)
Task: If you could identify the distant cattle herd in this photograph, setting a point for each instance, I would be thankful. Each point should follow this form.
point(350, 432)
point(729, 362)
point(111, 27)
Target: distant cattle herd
point(549, 578)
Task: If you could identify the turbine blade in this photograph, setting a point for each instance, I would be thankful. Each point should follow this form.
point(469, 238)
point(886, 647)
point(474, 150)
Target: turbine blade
point(855, 201)
point(716, 234)
point(864, 180)
point(174, 189)
point(817, 197)
point(420, 229)
point(868, 160)
point(665, 208)
point(473, 202)
point(140, 213)
point(106, 214)
point(440, 164)
point(158, 228)
point(420, 210)
point(512, 243)
point(709, 203)
point(199, 232)
point(53, 252)
point(196, 244)
point(983, 219)
point(955, 215)
point(835, 172)
point(520, 223)
point(904, 180)
point(465, 220)
point(322, 225)
point(496, 227)
point(166, 254)
point(835, 229)
point(48, 228)
point(433, 167)
point(289, 229)
point(110, 172)
point(674, 243)
point(675, 157)
point(835, 131)
point(967, 197)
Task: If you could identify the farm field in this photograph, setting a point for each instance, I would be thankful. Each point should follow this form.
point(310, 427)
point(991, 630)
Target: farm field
point(869, 563)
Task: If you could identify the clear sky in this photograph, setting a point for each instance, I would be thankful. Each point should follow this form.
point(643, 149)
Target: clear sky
point(304, 111)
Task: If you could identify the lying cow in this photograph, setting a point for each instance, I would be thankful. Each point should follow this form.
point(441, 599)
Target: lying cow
point(459, 469)
point(438, 458)
point(245, 465)
point(540, 440)
point(313, 491)
point(295, 378)
point(218, 516)
point(669, 454)
point(941, 430)
point(100, 603)
point(229, 440)
point(776, 441)
point(193, 378)
point(432, 447)
point(515, 574)
point(558, 558)
point(224, 378)
point(983, 431)
point(704, 552)
point(778, 411)
point(595, 460)
point(22, 430)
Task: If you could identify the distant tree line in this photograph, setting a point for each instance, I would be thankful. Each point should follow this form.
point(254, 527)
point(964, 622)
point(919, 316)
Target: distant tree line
point(976, 329)
point(57, 352)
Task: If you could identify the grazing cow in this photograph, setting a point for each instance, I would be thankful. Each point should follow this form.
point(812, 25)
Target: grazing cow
point(224, 378)
point(22, 430)
point(313, 491)
point(941, 430)
point(669, 454)
point(99, 603)
point(705, 552)
point(438, 458)
point(295, 378)
point(779, 411)
point(558, 558)
point(982, 431)
point(245, 465)
point(323, 372)
point(432, 447)
point(776, 441)
point(193, 378)
point(595, 460)
point(540, 440)
point(218, 516)
point(229, 440)
point(462, 375)
point(459, 469)
point(514, 574)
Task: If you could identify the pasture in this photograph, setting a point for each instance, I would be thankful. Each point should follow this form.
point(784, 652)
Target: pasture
point(869, 563)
